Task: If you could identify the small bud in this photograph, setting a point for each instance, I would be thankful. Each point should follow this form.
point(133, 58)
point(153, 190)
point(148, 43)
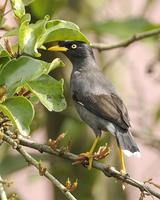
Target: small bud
point(3, 91)
point(14, 136)
point(16, 131)
point(15, 146)
point(8, 183)
point(123, 187)
point(42, 168)
point(61, 137)
point(13, 197)
point(102, 152)
point(21, 91)
point(8, 124)
point(27, 94)
point(53, 143)
point(1, 135)
point(8, 47)
point(49, 141)
point(74, 186)
point(68, 184)
point(71, 187)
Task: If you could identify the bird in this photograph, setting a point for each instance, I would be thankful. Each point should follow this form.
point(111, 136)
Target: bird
point(96, 100)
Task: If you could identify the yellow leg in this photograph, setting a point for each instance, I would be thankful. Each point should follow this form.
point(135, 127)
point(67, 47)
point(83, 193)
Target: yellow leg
point(94, 145)
point(91, 152)
point(123, 168)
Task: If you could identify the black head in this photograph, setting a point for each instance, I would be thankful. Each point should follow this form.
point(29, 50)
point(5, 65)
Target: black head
point(74, 50)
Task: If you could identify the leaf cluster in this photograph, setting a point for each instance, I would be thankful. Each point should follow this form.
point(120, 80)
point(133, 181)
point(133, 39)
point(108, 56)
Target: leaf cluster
point(24, 77)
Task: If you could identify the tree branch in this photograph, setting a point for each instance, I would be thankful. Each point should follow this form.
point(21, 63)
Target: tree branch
point(108, 171)
point(125, 43)
point(36, 164)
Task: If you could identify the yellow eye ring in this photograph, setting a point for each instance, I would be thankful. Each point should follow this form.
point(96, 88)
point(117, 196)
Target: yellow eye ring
point(74, 46)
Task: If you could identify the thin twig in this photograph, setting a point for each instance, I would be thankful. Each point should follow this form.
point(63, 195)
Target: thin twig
point(125, 43)
point(3, 195)
point(36, 164)
point(108, 171)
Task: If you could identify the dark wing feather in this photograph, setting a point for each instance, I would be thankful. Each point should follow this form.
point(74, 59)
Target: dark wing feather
point(121, 108)
point(106, 106)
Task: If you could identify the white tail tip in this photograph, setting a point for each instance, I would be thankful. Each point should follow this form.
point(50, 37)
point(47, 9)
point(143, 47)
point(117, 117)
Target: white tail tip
point(129, 154)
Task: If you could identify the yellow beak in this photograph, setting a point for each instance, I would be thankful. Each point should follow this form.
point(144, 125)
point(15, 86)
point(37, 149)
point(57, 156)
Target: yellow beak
point(58, 48)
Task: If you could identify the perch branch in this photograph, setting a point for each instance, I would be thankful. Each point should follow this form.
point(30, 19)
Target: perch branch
point(36, 164)
point(108, 171)
point(125, 43)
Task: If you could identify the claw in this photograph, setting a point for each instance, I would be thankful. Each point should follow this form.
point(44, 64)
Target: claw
point(123, 172)
point(85, 159)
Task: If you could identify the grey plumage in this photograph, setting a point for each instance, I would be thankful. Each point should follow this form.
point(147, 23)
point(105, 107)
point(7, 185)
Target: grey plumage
point(96, 99)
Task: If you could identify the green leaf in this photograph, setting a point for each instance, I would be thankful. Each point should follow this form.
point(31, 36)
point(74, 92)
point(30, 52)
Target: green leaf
point(33, 36)
point(24, 33)
point(122, 28)
point(3, 52)
point(59, 30)
point(20, 111)
point(56, 24)
point(18, 8)
point(27, 2)
point(4, 57)
point(49, 91)
point(53, 65)
point(29, 35)
point(17, 71)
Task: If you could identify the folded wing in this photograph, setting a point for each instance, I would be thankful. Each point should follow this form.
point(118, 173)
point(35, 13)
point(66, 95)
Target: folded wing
point(106, 106)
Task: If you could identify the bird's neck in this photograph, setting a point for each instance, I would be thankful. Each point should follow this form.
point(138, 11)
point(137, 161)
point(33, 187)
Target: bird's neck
point(84, 63)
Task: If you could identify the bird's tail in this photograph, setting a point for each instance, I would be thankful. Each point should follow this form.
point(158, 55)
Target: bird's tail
point(126, 142)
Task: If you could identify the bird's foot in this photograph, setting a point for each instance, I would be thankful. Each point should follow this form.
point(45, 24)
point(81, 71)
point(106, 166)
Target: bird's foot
point(124, 173)
point(86, 159)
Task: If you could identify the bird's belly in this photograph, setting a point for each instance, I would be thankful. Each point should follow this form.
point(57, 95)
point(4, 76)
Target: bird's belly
point(95, 122)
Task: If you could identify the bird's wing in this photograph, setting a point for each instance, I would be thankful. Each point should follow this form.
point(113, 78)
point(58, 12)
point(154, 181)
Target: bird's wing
point(106, 106)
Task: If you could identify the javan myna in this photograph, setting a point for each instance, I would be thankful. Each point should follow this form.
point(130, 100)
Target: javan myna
point(96, 99)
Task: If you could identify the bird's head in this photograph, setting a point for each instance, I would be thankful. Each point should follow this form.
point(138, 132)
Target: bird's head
point(75, 50)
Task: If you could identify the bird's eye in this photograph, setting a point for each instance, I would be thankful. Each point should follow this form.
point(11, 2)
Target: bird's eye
point(74, 46)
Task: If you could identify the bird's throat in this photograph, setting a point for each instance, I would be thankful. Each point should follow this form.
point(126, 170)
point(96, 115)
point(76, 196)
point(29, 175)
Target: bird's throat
point(84, 64)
